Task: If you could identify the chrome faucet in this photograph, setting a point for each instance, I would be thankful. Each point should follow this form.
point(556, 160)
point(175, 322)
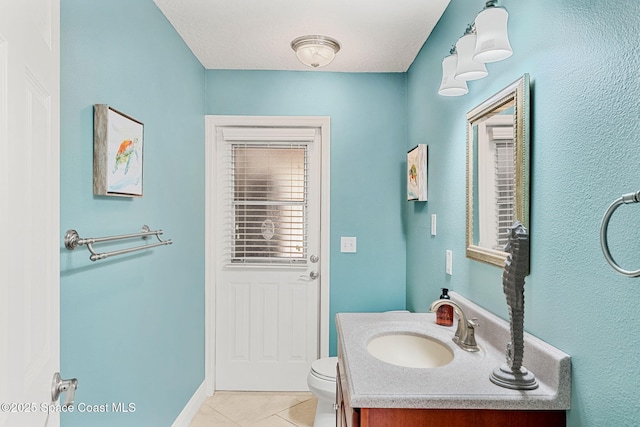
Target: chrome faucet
point(465, 333)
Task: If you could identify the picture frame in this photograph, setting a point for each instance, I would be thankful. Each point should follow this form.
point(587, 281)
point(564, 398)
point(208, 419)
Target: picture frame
point(117, 153)
point(417, 163)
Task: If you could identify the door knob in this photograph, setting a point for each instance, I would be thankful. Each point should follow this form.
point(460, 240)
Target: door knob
point(60, 386)
point(313, 275)
point(314, 258)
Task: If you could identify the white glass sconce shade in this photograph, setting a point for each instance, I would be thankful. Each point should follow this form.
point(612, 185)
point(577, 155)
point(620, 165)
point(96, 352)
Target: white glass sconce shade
point(450, 86)
point(492, 43)
point(315, 51)
point(467, 68)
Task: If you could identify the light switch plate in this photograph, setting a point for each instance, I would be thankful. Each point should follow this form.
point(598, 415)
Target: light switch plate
point(449, 262)
point(433, 224)
point(348, 244)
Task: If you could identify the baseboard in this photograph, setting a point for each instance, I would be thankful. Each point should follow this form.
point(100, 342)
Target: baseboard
point(192, 407)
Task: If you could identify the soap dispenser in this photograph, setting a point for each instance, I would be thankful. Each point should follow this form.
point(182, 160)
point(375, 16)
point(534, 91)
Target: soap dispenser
point(444, 314)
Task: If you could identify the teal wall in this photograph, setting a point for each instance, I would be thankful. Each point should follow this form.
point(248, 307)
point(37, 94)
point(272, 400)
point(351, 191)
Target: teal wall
point(132, 327)
point(583, 58)
point(368, 130)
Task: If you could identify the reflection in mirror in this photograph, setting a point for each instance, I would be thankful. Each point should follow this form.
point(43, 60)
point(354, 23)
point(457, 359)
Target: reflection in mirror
point(497, 171)
point(494, 178)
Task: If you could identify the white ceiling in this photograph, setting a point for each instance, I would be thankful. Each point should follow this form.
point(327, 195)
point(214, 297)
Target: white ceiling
point(375, 35)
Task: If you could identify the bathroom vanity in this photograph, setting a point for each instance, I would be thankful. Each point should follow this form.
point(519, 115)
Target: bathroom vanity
point(379, 417)
point(374, 393)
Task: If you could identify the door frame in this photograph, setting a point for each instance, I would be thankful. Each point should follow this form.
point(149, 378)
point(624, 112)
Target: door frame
point(212, 123)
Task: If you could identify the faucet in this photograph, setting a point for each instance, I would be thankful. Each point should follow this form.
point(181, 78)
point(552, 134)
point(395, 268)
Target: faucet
point(465, 334)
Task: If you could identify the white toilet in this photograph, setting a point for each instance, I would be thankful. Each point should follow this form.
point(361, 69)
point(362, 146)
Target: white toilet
point(322, 383)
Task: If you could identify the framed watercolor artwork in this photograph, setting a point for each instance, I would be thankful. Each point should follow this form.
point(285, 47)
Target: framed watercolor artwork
point(417, 173)
point(117, 153)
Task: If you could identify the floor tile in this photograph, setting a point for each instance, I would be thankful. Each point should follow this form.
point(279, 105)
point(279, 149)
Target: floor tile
point(209, 417)
point(246, 408)
point(303, 396)
point(273, 421)
point(301, 415)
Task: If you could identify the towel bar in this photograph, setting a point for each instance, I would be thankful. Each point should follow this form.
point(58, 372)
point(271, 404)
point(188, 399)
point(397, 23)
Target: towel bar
point(72, 240)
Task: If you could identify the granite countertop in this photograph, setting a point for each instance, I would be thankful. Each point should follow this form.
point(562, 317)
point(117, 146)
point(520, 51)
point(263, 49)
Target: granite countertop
point(462, 384)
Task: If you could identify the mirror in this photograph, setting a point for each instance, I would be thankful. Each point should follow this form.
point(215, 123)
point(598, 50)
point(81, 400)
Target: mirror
point(497, 171)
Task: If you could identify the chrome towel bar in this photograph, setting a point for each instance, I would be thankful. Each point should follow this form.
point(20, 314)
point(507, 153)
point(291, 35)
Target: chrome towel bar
point(622, 200)
point(72, 240)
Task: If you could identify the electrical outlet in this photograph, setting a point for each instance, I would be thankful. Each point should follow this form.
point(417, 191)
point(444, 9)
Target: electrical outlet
point(348, 244)
point(449, 262)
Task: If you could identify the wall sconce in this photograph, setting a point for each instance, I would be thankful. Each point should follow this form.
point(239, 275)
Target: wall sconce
point(468, 68)
point(492, 43)
point(315, 51)
point(451, 86)
point(486, 40)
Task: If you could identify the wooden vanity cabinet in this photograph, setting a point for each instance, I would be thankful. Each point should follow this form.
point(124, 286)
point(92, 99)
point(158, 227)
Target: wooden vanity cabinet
point(346, 416)
point(395, 417)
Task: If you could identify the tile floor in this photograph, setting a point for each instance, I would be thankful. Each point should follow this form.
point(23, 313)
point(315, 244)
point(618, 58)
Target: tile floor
point(256, 409)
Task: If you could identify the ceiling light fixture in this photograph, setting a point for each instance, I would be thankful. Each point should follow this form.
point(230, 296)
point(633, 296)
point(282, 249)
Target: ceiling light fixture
point(315, 51)
point(484, 41)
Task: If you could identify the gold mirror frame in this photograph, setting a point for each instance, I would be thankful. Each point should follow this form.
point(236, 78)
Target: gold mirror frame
point(518, 93)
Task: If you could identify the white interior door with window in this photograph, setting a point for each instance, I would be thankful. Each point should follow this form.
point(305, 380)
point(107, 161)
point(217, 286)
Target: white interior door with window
point(267, 253)
point(29, 211)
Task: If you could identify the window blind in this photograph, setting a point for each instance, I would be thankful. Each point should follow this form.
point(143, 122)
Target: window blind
point(267, 202)
point(504, 163)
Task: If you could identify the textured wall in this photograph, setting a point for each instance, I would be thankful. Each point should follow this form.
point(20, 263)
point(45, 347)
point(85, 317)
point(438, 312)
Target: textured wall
point(583, 58)
point(132, 327)
point(368, 116)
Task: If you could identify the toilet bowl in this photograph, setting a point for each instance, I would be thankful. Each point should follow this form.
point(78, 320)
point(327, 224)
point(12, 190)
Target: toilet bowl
point(322, 383)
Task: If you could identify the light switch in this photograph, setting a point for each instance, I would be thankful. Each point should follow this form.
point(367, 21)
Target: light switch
point(433, 224)
point(348, 244)
point(449, 262)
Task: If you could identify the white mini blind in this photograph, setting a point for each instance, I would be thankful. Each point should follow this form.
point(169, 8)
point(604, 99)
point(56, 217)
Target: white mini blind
point(267, 199)
point(504, 163)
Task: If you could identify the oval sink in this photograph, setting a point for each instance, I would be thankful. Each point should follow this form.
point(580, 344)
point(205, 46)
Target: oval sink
point(410, 351)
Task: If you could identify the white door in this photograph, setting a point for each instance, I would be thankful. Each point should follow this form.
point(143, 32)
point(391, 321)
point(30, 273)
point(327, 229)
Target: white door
point(268, 256)
point(29, 215)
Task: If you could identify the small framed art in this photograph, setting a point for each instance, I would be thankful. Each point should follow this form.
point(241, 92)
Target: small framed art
point(417, 173)
point(117, 153)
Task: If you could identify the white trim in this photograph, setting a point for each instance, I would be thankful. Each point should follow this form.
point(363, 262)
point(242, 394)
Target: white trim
point(191, 408)
point(211, 125)
point(262, 134)
point(325, 235)
point(210, 256)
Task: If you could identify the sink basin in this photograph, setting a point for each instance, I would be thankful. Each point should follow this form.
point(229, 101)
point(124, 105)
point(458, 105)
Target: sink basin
point(410, 351)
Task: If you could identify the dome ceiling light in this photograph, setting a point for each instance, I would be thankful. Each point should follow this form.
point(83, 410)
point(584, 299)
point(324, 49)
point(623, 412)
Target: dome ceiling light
point(315, 51)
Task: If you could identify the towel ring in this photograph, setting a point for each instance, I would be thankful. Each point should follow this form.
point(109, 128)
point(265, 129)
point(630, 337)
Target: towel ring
point(622, 200)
